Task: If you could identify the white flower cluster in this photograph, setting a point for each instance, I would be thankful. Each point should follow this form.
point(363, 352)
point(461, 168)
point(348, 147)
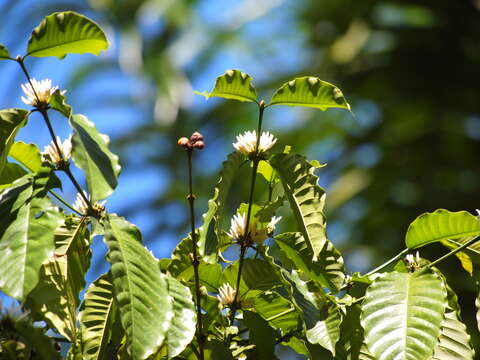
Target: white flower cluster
point(50, 152)
point(82, 206)
point(238, 229)
point(226, 294)
point(38, 92)
point(247, 142)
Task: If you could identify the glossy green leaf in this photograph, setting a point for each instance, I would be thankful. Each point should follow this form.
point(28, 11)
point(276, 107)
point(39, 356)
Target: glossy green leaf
point(26, 243)
point(141, 291)
point(183, 326)
point(326, 331)
point(26, 154)
point(57, 102)
point(181, 265)
point(97, 316)
point(235, 85)
point(67, 32)
point(42, 345)
point(279, 312)
point(327, 271)
point(310, 91)
point(402, 315)
point(441, 225)
point(260, 334)
point(211, 230)
point(91, 154)
point(454, 341)
point(4, 54)
point(307, 201)
point(11, 120)
point(259, 275)
point(10, 173)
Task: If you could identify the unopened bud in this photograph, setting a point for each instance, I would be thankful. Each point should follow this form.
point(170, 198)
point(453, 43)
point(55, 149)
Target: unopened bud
point(196, 136)
point(199, 145)
point(183, 142)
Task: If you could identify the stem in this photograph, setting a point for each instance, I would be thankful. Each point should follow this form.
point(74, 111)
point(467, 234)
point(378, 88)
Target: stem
point(244, 243)
point(453, 252)
point(77, 185)
point(59, 198)
point(388, 262)
point(195, 261)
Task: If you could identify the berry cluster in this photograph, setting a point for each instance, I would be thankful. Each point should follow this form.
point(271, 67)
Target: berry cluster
point(195, 141)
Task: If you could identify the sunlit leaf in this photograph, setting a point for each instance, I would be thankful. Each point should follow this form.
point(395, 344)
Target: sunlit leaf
point(277, 311)
point(402, 315)
point(441, 225)
point(26, 154)
point(310, 91)
point(57, 102)
point(326, 331)
point(67, 32)
point(4, 54)
point(307, 201)
point(97, 317)
point(211, 229)
point(234, 84)
point(183, 326)
point(259, 275)
point(141, 291)
point(11, 120)
point(91, 154)
point(26, 242)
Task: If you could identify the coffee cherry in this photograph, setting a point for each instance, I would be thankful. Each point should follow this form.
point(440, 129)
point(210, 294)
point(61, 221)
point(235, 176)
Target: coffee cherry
point(199, 145)
point(196, 136)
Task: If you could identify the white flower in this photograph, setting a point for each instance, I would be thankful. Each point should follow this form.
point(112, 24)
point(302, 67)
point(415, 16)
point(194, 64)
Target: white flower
point(50, 152)
point(478, 214)
point(238, 229)
point(226, 294)
point(247, 142)
point(38, 92)
point(82, 206)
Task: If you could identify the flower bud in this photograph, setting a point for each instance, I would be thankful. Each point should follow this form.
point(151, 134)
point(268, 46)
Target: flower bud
point(183, 142)
point(199, 145)
point(196, 136)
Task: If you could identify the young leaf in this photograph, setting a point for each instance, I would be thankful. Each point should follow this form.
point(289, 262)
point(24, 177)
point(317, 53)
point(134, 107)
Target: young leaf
point(97, 318)
point(11, 120)
point(57, 102)
point(141, 291)
point(441, 225)
point(402, 315)
point(91, 154)
point(327, 271)
point(63, 33)
point(307, 200)
point(26, 154)
point(211, 229)
point(311, 92)
point(182, 329)
point(454, 341)
point(4, 54)
point(26, 242)
point(234, 84)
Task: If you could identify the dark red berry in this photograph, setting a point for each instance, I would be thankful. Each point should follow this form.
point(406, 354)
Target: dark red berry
point(196, 136)
point(199, 145)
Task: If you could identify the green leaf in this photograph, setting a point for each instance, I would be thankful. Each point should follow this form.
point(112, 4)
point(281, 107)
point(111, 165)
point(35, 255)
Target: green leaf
point(326, 331)
point(182, 329)
point(27, 155)
point(91, 154)
point(477, 306)
point(11, 120)
point(307, 201)
point(279, 312)
point(260, 334)
point(97, 316)
point(57, 102)
point(402, 315)
point(454, 341)
point(67, 32)
point(10, 173)
point(259, 275)
point(141, 291)
point(181, 265)
point(211, 230)
point(268, 173)
point(37, 339)
point(235, 85)
point(326, 271)
point(4, 54)
point(310, 91)
point(26, 242)
point(441, 225)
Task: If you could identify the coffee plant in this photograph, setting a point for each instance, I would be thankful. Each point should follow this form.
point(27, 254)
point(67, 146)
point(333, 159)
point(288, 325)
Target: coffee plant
point(288, 288)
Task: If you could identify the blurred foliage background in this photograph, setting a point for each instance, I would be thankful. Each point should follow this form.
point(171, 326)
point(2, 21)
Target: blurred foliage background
point(409, 68)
